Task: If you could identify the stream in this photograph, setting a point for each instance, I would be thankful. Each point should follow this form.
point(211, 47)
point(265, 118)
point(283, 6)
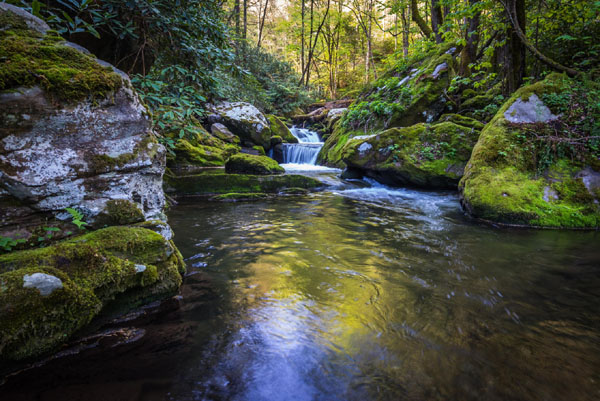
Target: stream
point(359, 292)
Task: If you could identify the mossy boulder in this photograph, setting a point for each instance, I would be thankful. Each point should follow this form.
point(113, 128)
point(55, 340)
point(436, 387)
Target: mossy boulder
point(428, 156)
point(462, 120)
point(73, 130)
point(510, 178)
point(243, 163)
point(243, 120)
point(213, 182)
point(410, 93)
point(187, 154)
point(278, 128)
point(48, 294)
point(332, 151)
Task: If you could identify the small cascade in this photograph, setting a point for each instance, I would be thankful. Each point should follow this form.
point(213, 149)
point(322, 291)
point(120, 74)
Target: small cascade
point(305, 151)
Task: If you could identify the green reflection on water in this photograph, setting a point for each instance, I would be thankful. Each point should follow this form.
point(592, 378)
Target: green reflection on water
point(399, 299)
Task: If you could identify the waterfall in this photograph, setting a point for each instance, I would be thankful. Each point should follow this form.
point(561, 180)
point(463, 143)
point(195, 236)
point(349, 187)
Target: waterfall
point(305, 151)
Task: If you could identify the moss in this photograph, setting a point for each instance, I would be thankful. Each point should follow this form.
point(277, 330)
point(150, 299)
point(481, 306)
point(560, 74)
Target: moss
point(462, 120)
point(278, 128)
point(243, 163)
point(199, 155)
point(94, 269)
point(501, 183)
point(431, 156)
point(211, 183)
point(236, 197)
point(260, 150)
point(477, 102)
point(331, 152)
point(103, 163)
point(29, 59)
point(31, 324)
point(276, 140)
point(120, 212)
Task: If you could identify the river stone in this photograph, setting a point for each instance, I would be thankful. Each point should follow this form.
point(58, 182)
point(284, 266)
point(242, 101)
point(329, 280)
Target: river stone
point(439, 69)
point(45, 283)
point(220, 131)
point(364, 147)
point(533, 110)
point(140, 268)
point(244, 120)
point(590, 179)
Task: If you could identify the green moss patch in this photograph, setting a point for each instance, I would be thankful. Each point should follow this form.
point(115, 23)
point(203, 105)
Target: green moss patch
point(131, 264)
point(29, 59)
point(243, 163)
point(199, 155)
point(120, 212)
point(278, 128)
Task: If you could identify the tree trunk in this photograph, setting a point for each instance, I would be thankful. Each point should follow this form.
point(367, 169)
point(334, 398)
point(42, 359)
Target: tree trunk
point(311, 46)
point(516, 12)
point(236, 10)
point(514, 67)
point(469, 52)
point(245, 32)
point(437, 20)
point(419, 20)
point(302, 40)
point(405, 31)
point(262, 24)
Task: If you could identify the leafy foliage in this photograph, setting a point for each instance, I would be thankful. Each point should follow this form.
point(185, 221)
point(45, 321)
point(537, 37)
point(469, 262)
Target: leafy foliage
point(77, 218)
point(8, 243)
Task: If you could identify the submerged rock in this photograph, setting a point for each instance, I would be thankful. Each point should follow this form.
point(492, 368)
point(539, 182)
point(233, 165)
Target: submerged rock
point(218, 182)
point(48, 294)
point(243, 163)
point(236, 197)
point(503, 182)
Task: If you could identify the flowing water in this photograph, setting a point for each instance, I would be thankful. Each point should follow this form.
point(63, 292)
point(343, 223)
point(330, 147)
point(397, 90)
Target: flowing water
point(304, 153)
point(359, 292)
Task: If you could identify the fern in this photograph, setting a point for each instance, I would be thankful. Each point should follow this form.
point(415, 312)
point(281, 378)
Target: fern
point(77, 218)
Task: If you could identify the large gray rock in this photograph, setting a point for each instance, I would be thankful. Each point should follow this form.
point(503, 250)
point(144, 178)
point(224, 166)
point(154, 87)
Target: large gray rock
point(80, 153)
point(244, 120)
point(53, 157)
